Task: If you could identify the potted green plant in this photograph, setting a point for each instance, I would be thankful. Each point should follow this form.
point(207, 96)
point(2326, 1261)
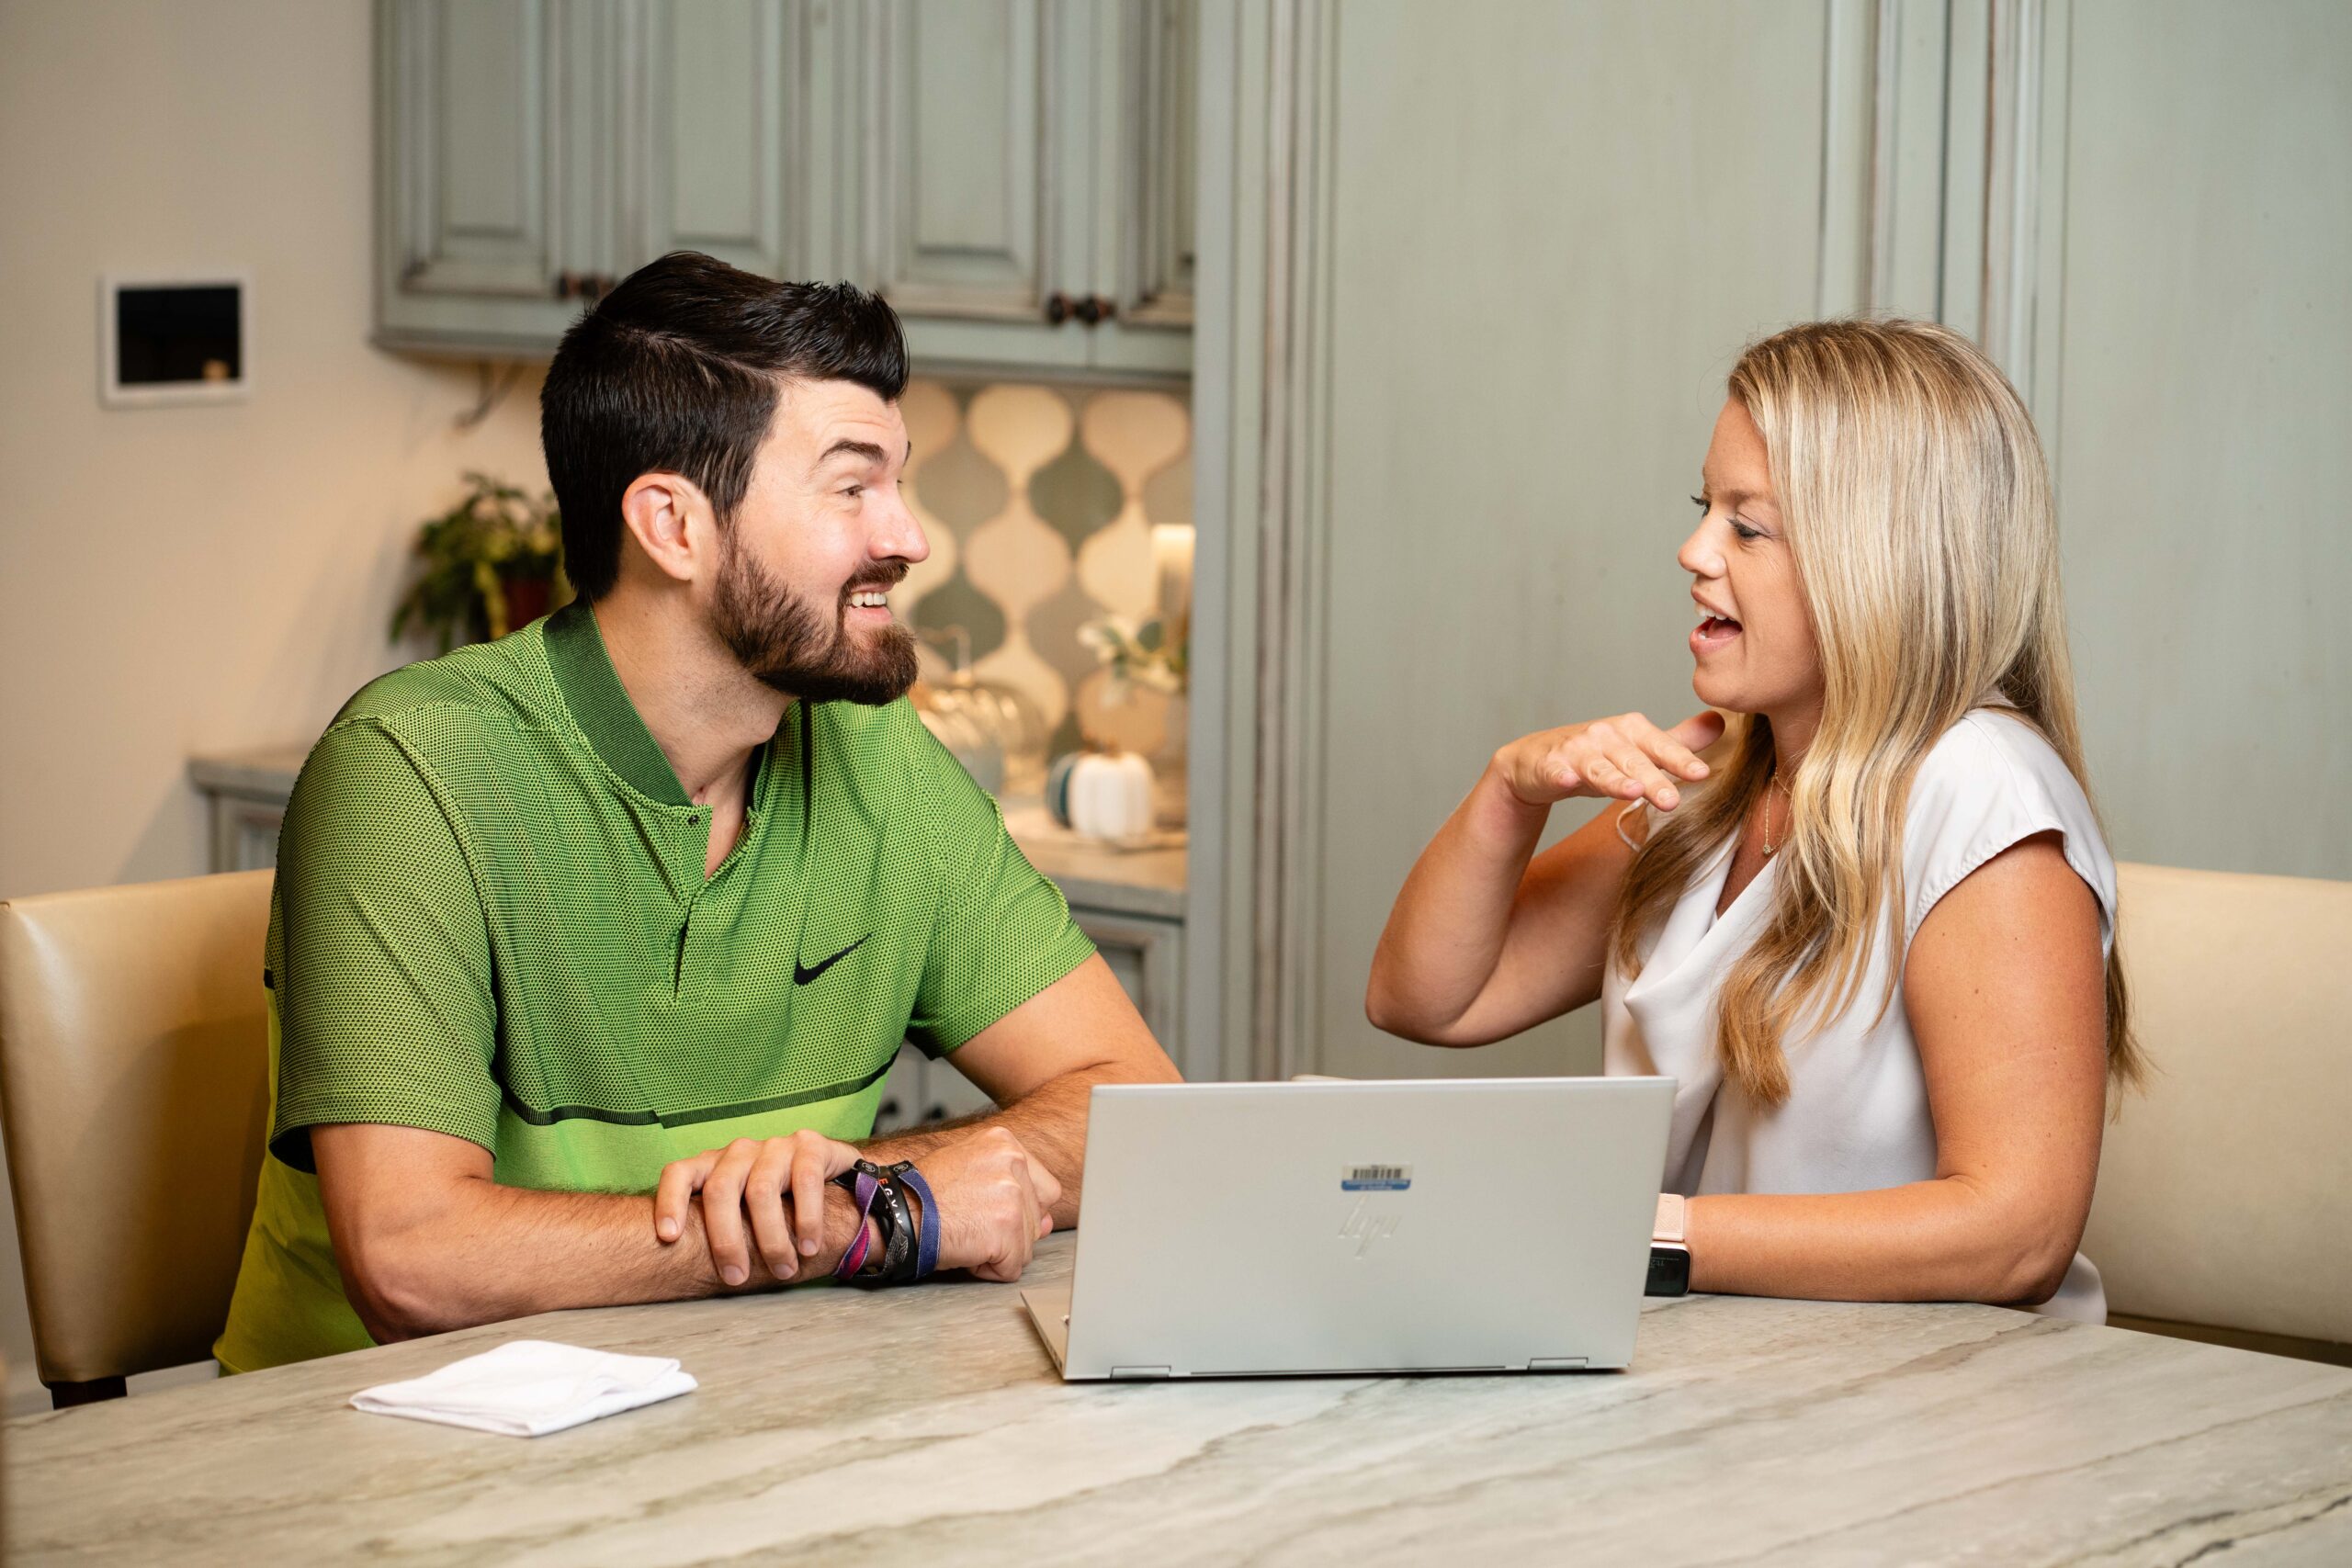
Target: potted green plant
point(493, 562)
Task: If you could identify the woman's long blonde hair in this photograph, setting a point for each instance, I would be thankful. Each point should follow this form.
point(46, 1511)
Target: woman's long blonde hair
point(1914, 495)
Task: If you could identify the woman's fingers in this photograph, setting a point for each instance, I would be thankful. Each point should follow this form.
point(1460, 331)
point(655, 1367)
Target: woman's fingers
point(1626, 757)
point(1561, 775)
point(1538, 770)
point(1649, 783)
point(1606, 777)
point(1672, 755)
point(1698, 732)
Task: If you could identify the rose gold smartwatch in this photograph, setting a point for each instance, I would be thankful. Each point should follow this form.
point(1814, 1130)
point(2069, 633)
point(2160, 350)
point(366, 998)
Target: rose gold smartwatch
point(1669, 1253)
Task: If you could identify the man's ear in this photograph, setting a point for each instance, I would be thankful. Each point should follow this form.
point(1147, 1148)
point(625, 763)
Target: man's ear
point(672, 524)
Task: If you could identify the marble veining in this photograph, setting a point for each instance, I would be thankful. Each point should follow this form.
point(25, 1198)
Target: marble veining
point(928, 1428)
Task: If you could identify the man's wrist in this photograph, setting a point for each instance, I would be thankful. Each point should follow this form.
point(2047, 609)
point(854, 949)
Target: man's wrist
point(843, 1227)
point(836, 1234)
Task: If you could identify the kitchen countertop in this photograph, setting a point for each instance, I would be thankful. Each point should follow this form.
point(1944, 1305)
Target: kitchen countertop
point(1149, 882)
point(927, 1426)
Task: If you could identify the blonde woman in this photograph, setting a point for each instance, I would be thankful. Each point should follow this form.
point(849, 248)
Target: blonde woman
point(1875, 942)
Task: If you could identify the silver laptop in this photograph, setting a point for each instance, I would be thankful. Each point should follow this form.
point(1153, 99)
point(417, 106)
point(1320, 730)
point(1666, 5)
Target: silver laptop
point(1270, 1229)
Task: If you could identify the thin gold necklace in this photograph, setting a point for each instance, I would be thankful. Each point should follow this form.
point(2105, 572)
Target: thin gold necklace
point(1776, 784)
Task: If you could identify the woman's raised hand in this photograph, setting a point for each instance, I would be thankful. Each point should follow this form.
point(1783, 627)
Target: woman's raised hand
point(1625, 758)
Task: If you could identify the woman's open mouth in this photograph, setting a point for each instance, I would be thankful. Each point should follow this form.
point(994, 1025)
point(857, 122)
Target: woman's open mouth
point(1714, 632)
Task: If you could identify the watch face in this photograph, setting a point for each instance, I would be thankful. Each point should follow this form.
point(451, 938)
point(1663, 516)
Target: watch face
point(1670, 1271)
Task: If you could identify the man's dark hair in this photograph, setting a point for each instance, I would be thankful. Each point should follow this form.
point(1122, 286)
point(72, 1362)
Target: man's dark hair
point(678, 370)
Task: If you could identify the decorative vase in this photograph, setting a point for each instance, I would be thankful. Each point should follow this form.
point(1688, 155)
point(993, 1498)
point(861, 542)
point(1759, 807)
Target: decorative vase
point(1103, 794)
point(1143, 719)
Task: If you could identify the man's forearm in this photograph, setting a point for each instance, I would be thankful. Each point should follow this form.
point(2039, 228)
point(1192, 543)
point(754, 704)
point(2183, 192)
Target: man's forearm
point(1050, 1121)
point(498, 1252)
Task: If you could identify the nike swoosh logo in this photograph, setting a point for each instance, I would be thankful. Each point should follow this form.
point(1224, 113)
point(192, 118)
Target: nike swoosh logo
point(802, 974)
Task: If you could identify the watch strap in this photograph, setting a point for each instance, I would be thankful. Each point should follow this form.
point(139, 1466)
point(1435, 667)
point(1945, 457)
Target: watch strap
point(1673, 1218)
point(897, 1264)
point(862, 1189)
point(927, 1244)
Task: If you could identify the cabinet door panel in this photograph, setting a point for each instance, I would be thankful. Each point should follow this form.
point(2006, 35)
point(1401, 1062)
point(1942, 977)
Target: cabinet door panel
point(719, 142)
point(495, 174)
point(1145, 178)
point(476, 145)
point(962, 194)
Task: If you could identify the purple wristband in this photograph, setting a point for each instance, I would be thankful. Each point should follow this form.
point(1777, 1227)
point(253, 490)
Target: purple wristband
point(864, 1192)
point(927, 1250)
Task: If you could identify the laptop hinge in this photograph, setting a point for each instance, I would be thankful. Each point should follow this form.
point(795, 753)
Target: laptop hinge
point(1138, 1372)
point(1557, 1364)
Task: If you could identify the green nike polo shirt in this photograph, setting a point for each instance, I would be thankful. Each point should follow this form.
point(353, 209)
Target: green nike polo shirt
point(491, 921)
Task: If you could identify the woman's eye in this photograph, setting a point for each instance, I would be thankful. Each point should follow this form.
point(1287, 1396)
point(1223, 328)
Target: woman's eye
point(1745, 532)
point(1700, 501)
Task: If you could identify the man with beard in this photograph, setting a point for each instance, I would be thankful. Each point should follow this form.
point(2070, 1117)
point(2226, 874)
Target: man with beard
point(590, 947)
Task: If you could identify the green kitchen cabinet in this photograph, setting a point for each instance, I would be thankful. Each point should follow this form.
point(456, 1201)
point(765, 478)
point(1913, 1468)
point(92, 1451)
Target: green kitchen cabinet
point(496, 169)
point(1015, 175)
point(1023, 192)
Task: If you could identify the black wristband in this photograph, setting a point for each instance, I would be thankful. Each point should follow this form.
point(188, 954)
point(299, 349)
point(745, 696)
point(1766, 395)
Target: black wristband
point(898, 1262)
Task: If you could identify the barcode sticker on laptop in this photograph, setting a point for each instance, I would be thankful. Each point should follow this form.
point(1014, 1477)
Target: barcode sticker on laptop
point(1375, 1177)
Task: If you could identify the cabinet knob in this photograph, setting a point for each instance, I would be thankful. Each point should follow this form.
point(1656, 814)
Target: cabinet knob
point(1094, 309)
point(1057, 307)
point(584, 285)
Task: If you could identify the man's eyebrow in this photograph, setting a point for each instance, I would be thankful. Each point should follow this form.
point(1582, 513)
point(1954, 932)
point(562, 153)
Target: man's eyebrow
point(865, 449)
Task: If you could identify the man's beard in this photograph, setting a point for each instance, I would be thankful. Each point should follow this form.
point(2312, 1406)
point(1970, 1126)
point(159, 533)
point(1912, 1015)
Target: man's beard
point(793, 646)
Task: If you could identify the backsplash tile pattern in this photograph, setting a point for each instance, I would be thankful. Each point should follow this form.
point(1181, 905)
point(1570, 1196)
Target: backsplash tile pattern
point(1038, 503)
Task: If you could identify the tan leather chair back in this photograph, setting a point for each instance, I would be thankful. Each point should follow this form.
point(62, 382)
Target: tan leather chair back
point(133, 1058)
point(2221, 1190)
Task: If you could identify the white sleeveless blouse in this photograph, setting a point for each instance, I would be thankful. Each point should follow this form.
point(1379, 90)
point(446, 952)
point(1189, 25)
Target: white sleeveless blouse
point(1857, 1117)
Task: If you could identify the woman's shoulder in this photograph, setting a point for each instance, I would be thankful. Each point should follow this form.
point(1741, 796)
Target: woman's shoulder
point(1991, 780)
point(1997, 751)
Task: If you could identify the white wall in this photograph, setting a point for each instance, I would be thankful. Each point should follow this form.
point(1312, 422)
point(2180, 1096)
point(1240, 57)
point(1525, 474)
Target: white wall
point(2198, 413)
point(1552, 237)
point(176, 580)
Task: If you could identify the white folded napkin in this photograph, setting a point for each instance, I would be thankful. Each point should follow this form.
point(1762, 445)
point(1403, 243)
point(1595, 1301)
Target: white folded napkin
point(527, 1388)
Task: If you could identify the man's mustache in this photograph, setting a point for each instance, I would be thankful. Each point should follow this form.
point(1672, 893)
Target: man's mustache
point(885, 577)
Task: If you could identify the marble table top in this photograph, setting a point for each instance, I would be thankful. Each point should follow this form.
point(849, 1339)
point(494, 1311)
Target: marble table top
point(928, 1427)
